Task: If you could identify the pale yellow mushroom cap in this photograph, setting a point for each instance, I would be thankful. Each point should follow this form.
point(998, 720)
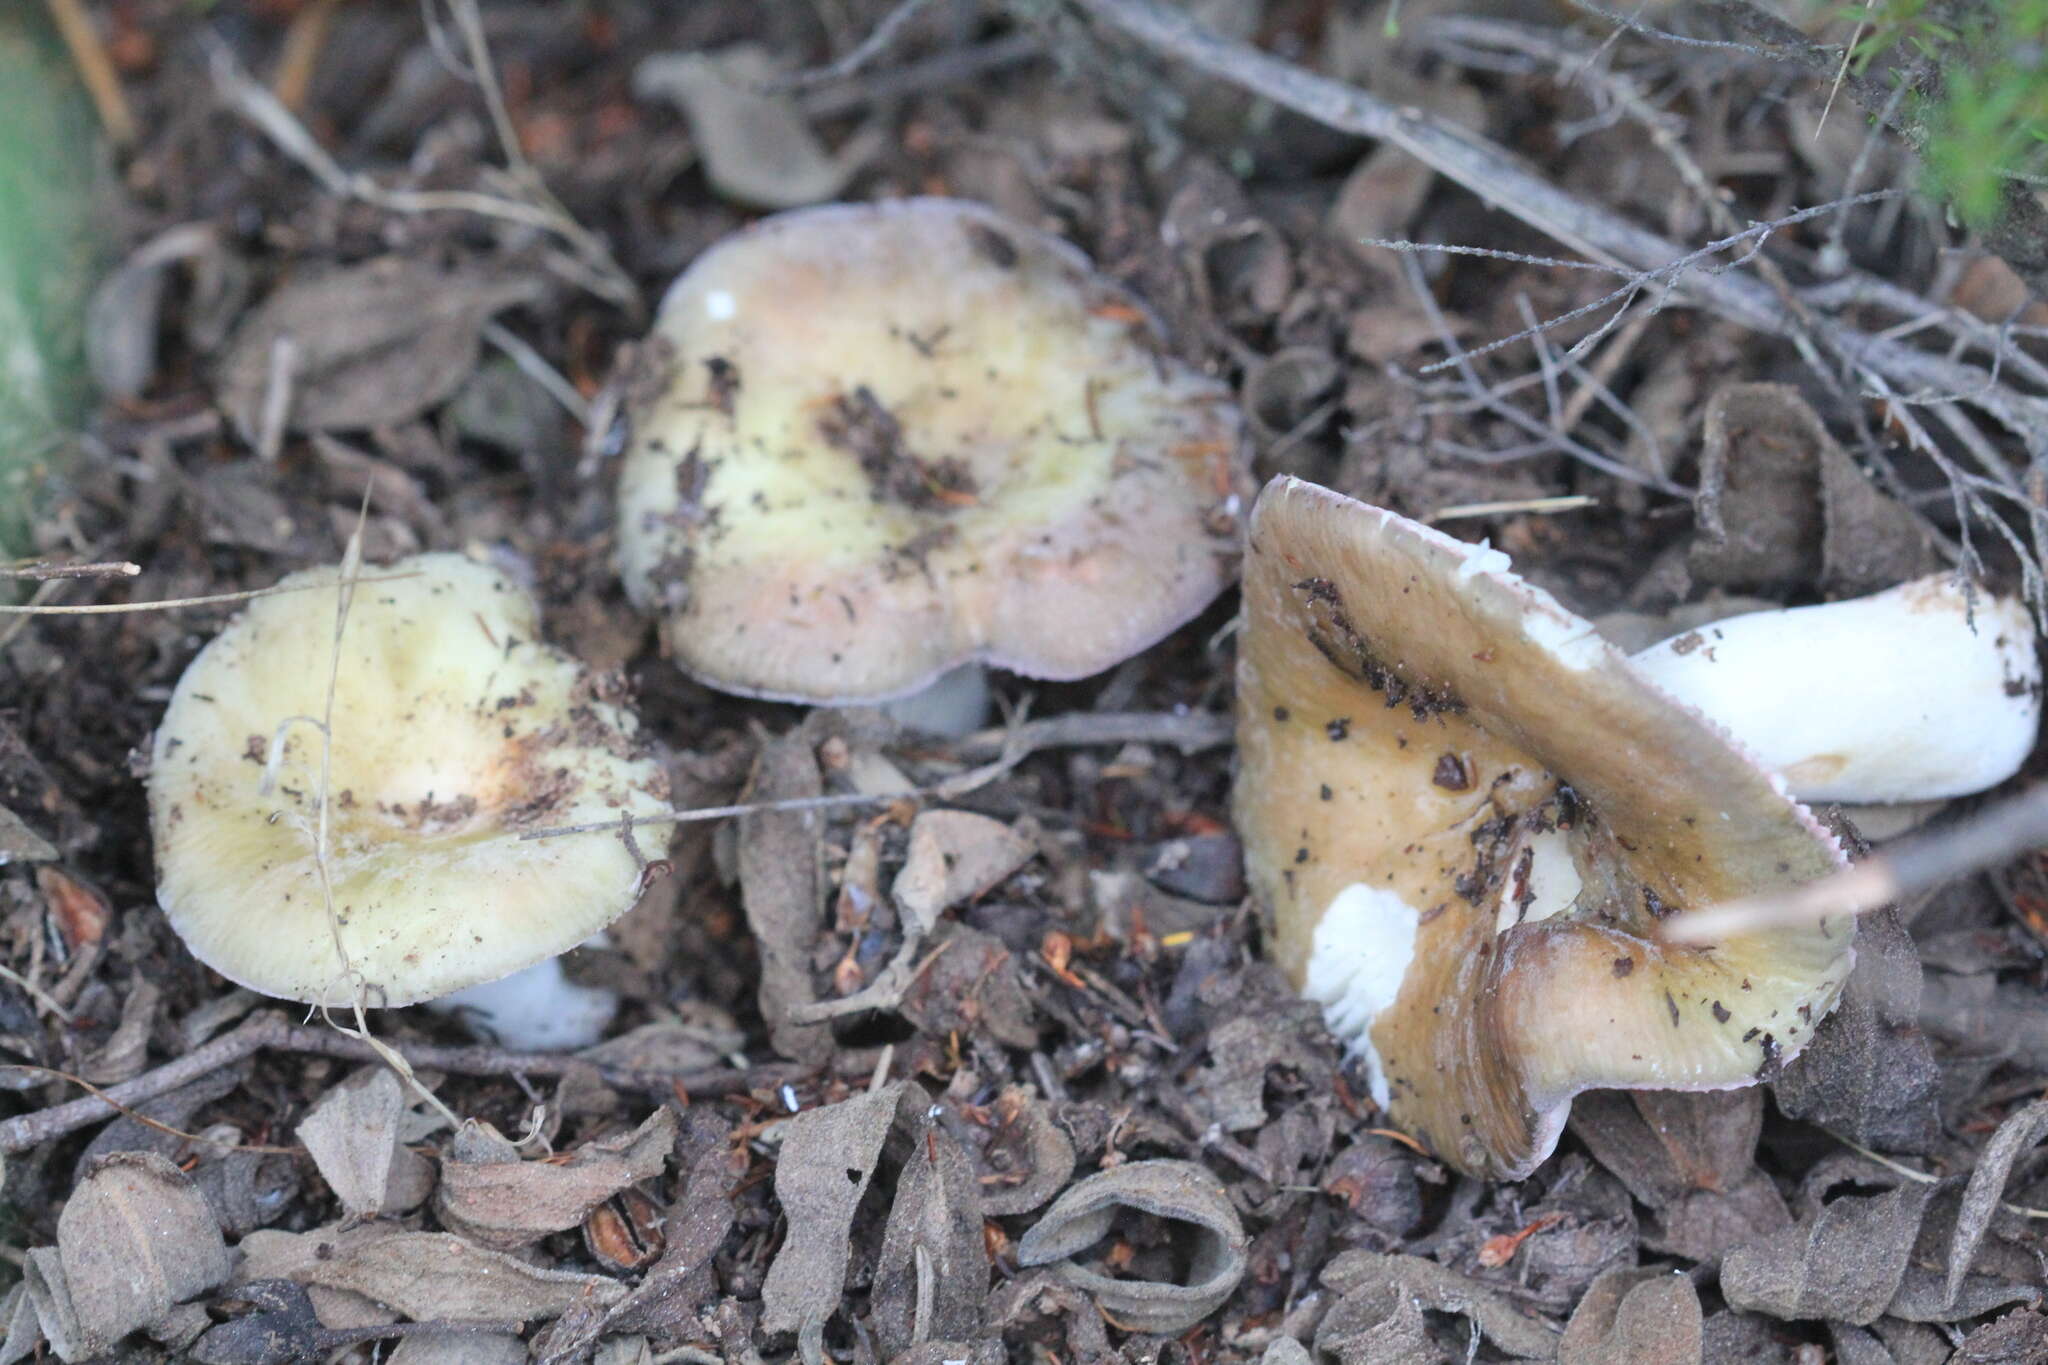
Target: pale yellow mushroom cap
point(876, 441)
point(455, 728)
point(1416, 729)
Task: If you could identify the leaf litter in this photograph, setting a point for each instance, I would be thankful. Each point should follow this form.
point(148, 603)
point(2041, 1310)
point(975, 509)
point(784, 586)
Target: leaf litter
point(1008, 1008)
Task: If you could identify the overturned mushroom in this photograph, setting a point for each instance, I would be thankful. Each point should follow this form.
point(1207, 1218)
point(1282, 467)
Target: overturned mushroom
point(1931, 689)
point(454, 729)
point(876, 442)
point(1467, 814)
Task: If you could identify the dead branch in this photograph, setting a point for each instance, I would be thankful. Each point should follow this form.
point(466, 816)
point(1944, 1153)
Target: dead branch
point(271, 1031)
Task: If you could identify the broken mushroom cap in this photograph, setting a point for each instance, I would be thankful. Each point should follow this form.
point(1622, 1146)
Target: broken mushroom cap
point(1930, 689)
point(454, 729)
point(1467, 815)
point(872, 442)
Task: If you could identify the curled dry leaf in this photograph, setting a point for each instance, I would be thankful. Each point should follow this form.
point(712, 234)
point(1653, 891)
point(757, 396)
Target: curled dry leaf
point(1047, 1148)
point(1869, 1074)
point(1180, 1191)
point(932, 1271)
point(367, 346)
point(666, 1302)
point(1407, 1280)
point(1780, 503)
point(671, 1046)
point(782, 889)
point(2014, 1138)
point(1377, 1323)
point(352, 1134)
point(954, 856)
point(426, 1276)
point(756, 148)
point(135, 1240)
point(506, 1204)
point(1634, 1317)
point(826, 1160)
point(1844, 1262)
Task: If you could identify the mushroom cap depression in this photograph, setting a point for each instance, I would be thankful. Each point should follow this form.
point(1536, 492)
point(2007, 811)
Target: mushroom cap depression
point(1467, 814)
point(455, 728)
point(871, 442)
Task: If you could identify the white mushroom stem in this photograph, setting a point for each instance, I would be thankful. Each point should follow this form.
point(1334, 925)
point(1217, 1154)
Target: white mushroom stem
point(536, 1010)
point(1919, 692)
point(956, 704)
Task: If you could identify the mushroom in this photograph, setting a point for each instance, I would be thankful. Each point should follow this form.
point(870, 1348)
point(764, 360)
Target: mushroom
point(876, 442)
point(454, 729)
point(1928, 690)
point(1466, 815)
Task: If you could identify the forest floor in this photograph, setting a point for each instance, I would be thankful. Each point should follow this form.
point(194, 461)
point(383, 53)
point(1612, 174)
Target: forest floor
point(683, 1192)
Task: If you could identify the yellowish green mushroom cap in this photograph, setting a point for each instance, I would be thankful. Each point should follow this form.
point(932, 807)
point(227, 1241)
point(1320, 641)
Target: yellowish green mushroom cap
point(455, 729)
point(877, 441)
point(1423, 738)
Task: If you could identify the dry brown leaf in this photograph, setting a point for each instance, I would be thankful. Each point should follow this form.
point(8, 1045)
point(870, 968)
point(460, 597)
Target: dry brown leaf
point(954, 856)
point(756, 147)
point(932, 1271)
point(1179, 1191)
point(1845, 1262)
point(782, 886)
point(1782, 505)
point(1409, 1279)
point(370, 345)
point(671, 1046)
point(1869, 1074)
point(507, 1204)
point(430, 1276)
point(135, 1239)
point(352, 1134)
point(2014, 1138)
point(1634, 1317)
point(1047, 1151)
point(824, 1164)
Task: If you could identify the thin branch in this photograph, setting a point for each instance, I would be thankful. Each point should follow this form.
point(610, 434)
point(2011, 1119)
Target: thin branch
point(1009, 745)
point(271, 1031)
point(1920, 863)
point(874, 45)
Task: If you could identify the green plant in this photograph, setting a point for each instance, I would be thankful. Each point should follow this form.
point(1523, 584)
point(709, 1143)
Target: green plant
point(1975, 89)
point(50, 244)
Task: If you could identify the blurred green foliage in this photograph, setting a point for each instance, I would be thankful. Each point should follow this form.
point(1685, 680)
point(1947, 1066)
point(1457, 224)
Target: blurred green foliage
point(50, 250)
point(1984, 112)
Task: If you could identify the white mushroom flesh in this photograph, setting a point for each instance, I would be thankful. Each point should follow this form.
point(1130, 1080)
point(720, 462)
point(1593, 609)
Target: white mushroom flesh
point(1927, 690)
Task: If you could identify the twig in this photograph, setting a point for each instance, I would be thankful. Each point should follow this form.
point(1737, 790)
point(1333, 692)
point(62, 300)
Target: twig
point(1913, 865)
point(169, 603)
point(869, 48)
point(89, 54)
point(299, 56)
point(1010, 745)
point(1188, 731)
point(42, 572)
point(534, 366)
point(1572, 502)
point(949, 68)
point(271, 1031)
